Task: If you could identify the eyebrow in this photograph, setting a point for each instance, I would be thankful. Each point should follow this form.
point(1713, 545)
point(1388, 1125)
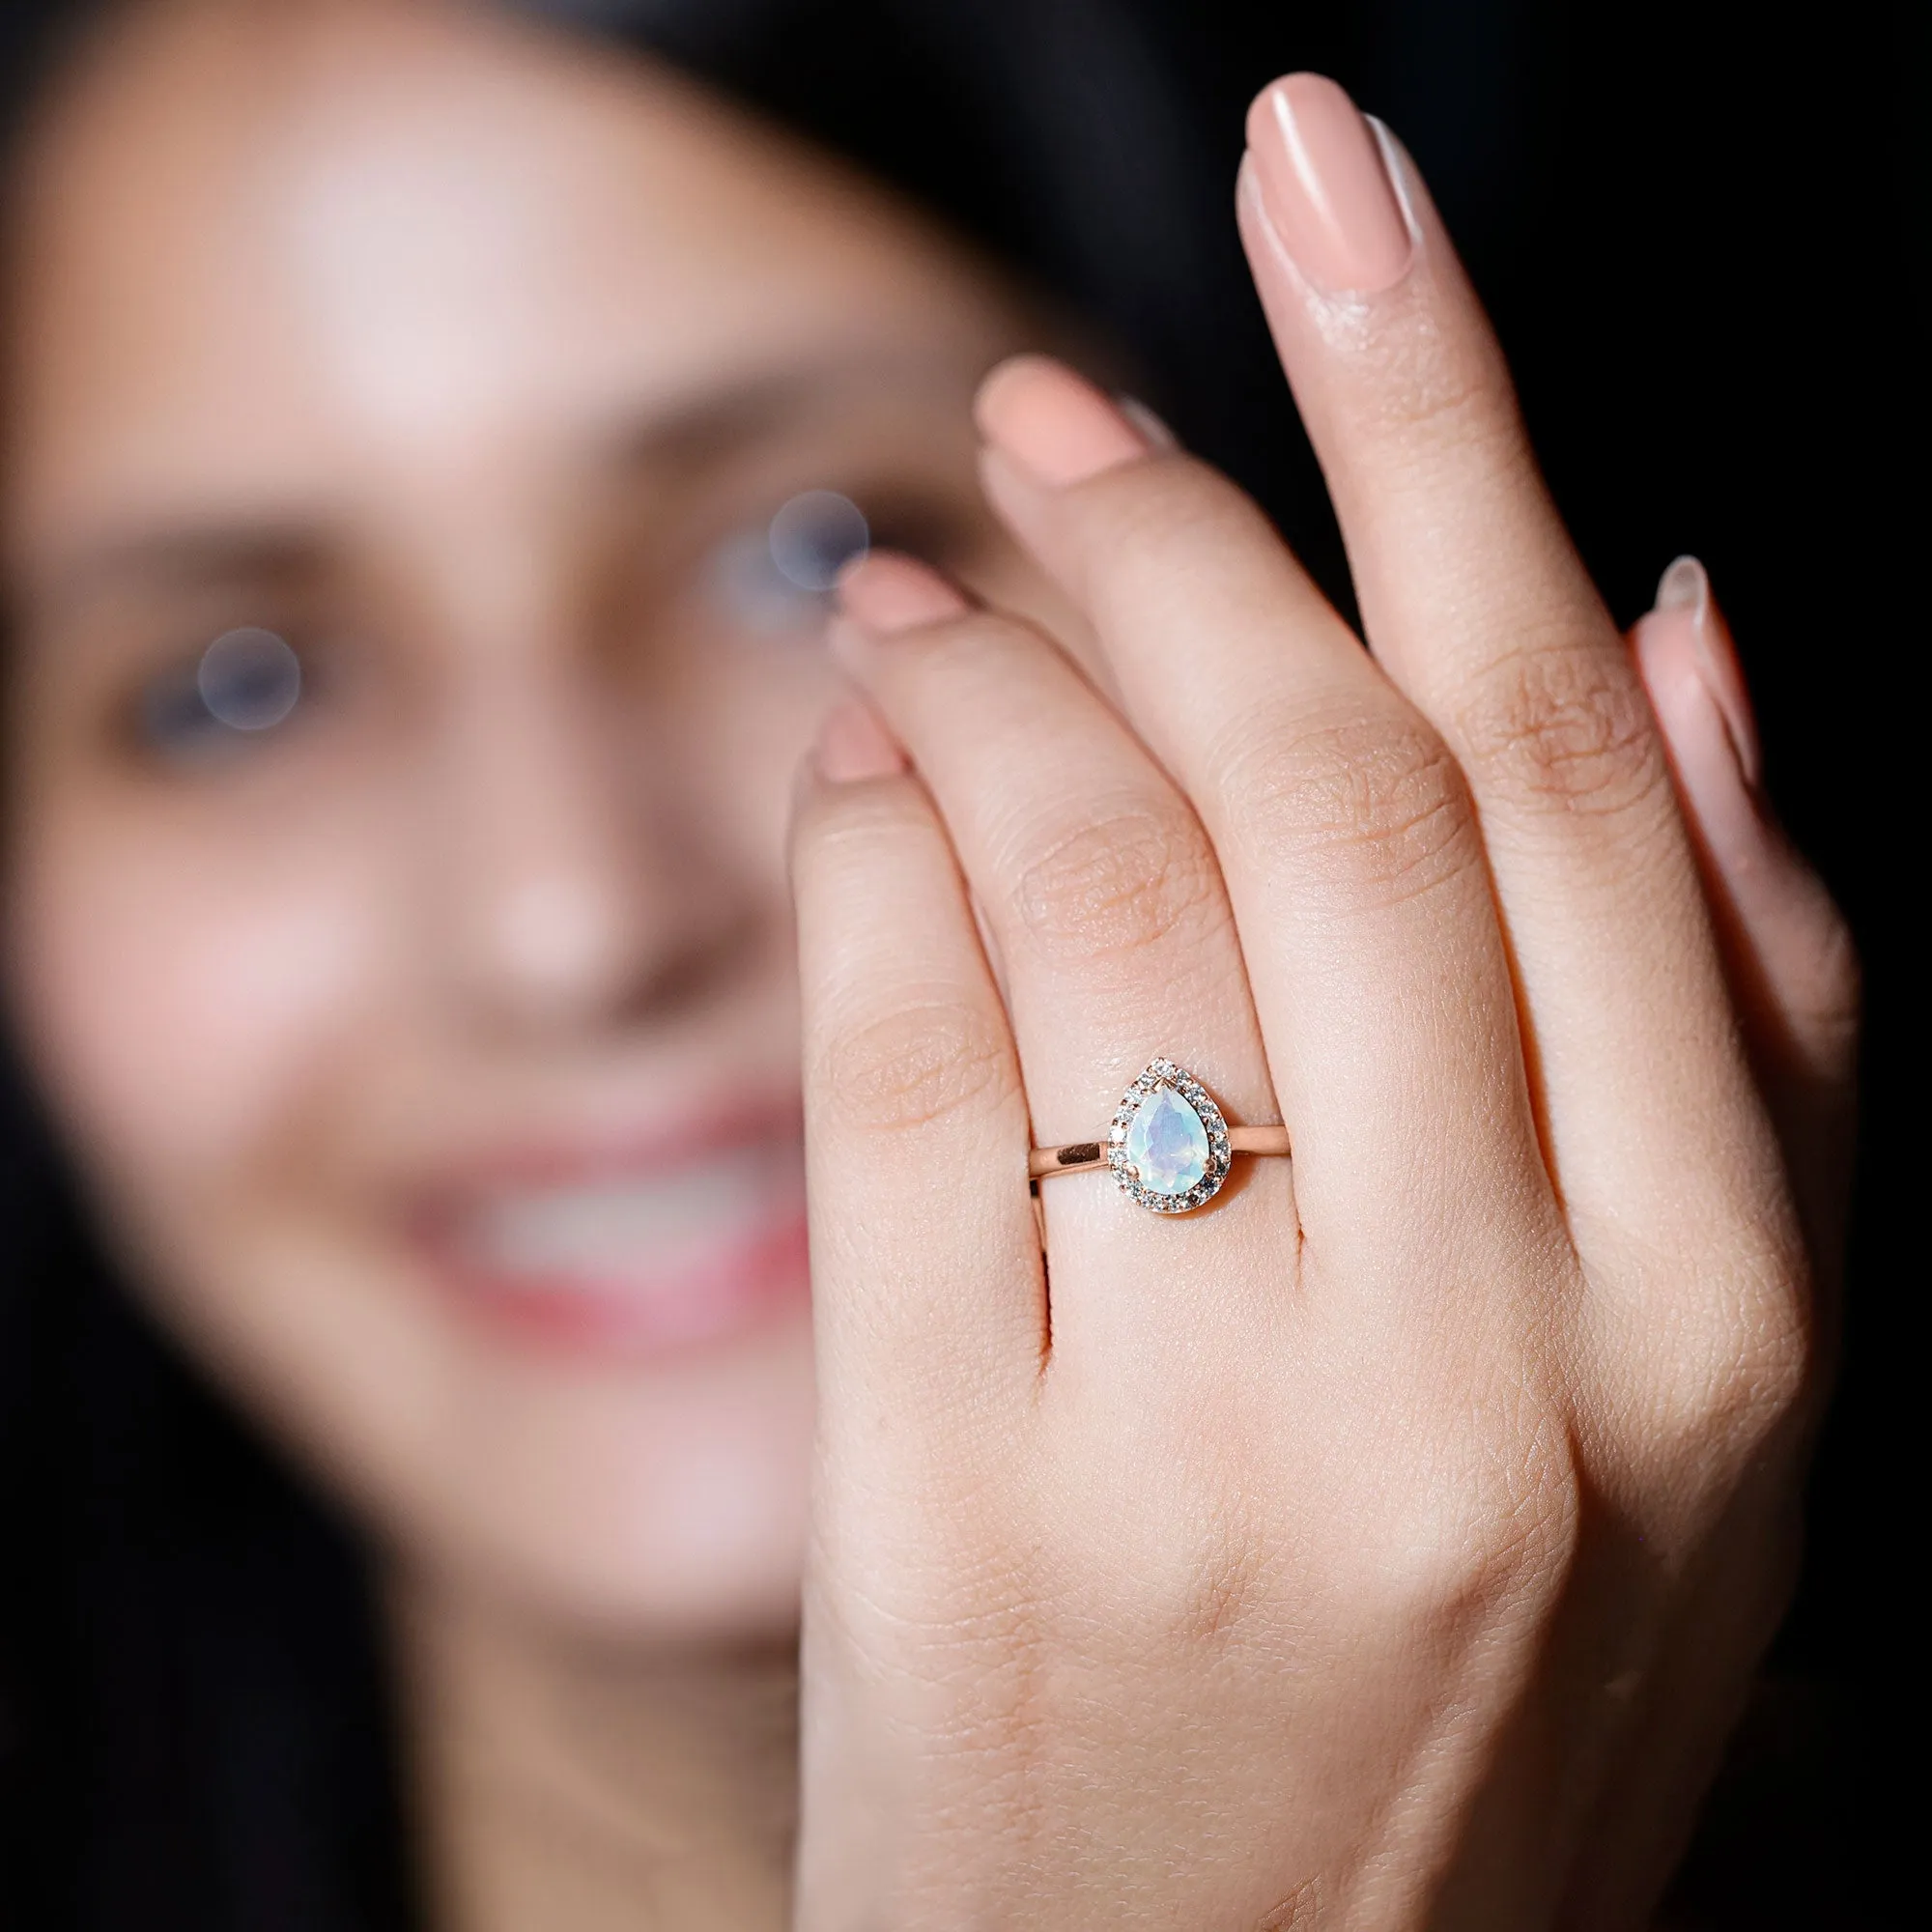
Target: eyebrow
point(220, 548)
point(721, 421)
point(196, 552)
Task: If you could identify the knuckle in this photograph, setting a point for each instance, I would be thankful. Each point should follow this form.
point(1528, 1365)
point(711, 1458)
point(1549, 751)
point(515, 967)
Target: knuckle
point(1230, 1588)
point(1149, 519)
point(1773, 1372)
point(1424, 399)
point(1119, 886)
point(1729, 1353)
point(925, 1062)
point(1198, 1581)
point(1441, 398)
point(1553, 728)
point(1300, 1909)
point(843, 838)
point(1749, 1368)
point(1150, 503)
point(1376, 802)
point(1517, 1542)
point(1503, 1530)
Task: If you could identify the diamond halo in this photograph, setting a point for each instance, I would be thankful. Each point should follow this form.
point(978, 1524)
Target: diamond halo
point(1165, 1073)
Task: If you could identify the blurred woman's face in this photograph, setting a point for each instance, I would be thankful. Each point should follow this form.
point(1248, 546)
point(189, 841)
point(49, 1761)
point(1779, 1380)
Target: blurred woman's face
point(411, 971)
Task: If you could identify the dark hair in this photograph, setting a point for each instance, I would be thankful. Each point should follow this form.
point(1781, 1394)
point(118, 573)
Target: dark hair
point(197, 1726)
point(194, 1722)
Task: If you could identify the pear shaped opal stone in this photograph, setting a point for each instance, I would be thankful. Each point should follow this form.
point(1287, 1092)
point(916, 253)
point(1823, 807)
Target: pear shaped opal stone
point(1167, 1145)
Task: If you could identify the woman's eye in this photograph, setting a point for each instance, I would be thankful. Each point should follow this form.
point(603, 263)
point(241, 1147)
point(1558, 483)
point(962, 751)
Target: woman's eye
point(246, 683)
point(773, 576)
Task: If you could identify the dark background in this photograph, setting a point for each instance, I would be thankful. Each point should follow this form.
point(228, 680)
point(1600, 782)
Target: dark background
point(1700, 228)
point(1701, 231)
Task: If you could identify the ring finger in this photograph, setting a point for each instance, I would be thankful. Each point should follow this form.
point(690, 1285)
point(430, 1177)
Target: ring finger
point(1104, 905)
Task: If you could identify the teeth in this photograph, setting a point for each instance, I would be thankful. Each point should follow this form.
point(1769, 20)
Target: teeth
point(621, 1224)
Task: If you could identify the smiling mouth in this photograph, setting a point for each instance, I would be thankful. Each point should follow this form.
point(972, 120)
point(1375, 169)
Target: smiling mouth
point(633, 1259)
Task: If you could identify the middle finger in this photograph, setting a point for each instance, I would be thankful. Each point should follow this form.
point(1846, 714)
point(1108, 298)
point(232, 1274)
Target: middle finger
point(1344, 829)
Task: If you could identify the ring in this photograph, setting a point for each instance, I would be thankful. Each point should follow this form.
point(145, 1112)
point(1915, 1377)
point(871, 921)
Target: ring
point(1168, 1146)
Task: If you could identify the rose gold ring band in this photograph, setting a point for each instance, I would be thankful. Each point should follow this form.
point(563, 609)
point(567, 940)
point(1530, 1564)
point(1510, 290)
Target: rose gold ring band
point(1078, 1156)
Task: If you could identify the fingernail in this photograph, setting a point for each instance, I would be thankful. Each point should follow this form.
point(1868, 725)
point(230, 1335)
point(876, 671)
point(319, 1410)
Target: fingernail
point(1685, 586)
point(1153, 428)
point(886, 592)
point(1325, 187)
point(853, 745)
point(1726, 811)
point(1054, 423)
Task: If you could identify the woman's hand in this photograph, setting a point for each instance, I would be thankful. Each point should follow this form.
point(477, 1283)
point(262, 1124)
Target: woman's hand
point(1389, 1542)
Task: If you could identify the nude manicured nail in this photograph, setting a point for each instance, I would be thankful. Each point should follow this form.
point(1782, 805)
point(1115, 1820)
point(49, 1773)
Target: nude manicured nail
point(1325, 188)
point(853, 745)
point(1685, 586)
point(1055, 424)
point(889, 591)
point(1152, 427)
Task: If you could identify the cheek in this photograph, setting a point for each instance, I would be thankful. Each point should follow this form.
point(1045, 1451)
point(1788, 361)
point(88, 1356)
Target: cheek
point(175, 1009)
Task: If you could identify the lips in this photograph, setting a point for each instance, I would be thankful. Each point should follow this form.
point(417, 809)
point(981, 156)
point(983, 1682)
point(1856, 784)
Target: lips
point(640, 1256)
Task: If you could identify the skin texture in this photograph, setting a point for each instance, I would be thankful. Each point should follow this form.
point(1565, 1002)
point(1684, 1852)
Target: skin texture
point(1354, 1544)
point(1390, 1543)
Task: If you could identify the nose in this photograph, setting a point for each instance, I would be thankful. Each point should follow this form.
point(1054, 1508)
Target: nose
point(573, 882)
